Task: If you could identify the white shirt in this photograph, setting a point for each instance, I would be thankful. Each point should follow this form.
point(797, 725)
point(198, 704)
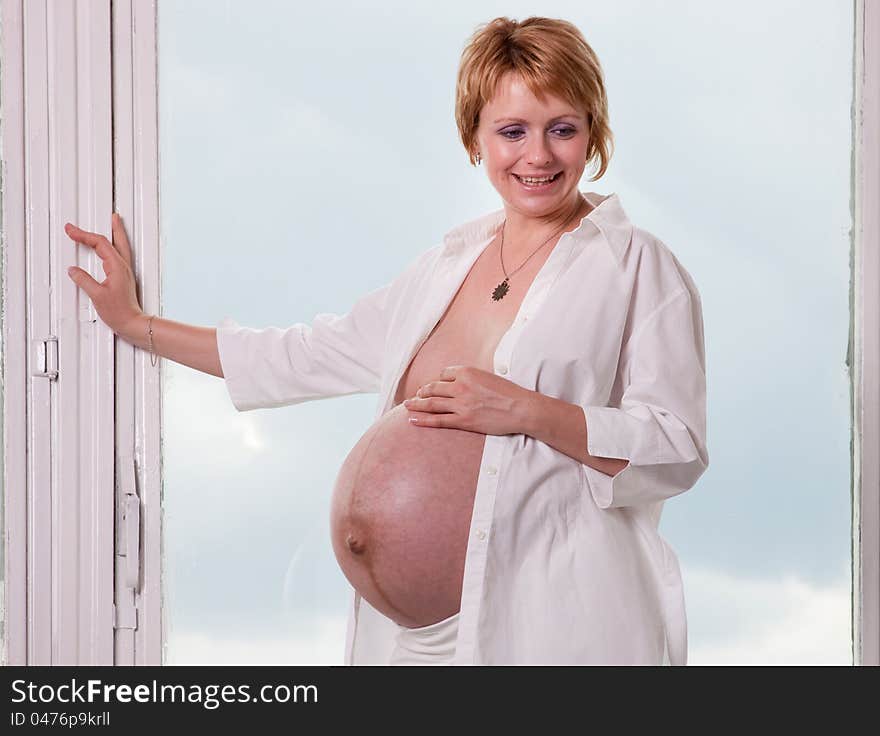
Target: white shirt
point(564, 564)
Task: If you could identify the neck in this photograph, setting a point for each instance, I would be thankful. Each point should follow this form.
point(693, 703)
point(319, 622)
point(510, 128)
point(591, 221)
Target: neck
point(523, 233)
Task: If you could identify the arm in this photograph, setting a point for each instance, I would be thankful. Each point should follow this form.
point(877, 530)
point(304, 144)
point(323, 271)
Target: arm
point(653, 446)
point(189, 345)
point(561, 425)
point(335, 355)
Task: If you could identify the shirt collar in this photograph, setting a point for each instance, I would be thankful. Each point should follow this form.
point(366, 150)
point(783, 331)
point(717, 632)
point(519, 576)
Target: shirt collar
point(607, 216)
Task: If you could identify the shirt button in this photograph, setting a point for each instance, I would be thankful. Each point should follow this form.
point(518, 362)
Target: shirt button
point(502, 369)
point(481, 534)
point(491, 470)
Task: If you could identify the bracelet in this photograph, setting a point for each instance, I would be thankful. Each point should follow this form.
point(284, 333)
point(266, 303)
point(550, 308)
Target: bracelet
point(150, 327)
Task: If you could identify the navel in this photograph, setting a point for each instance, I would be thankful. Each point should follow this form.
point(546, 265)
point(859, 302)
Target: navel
point(355, 544)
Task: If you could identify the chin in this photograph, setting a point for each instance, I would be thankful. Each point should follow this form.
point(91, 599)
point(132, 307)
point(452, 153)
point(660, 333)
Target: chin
point(539, 201)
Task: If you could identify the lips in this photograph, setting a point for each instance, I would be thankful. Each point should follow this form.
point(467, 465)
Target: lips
point(540, 176)
point(545, 188)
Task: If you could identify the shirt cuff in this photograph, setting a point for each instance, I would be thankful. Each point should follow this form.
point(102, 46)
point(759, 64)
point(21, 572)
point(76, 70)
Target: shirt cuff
point(651, 475)
point(233, 362)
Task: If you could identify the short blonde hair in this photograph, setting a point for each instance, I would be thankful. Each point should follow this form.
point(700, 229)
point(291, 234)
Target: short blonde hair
point(551, 56)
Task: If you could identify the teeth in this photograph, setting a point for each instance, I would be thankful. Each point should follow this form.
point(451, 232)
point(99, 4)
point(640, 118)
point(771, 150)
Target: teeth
point(529, 180)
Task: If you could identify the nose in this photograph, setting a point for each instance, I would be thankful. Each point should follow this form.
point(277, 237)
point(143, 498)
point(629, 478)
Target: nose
point(538, 153)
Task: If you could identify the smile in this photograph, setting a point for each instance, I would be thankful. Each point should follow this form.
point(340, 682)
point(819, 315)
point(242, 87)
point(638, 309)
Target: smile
point(537, 183)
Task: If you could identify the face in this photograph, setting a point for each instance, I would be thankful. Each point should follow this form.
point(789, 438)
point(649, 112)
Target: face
point(521, 136)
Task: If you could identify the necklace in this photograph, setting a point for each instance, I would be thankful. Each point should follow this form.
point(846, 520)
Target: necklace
point(504, 286)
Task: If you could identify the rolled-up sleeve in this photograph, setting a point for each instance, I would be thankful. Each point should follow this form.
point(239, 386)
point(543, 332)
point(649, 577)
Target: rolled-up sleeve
point(335, 355)
point(660, 425)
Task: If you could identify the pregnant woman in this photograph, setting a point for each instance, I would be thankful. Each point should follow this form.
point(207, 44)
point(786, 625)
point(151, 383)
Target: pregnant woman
point(542, 392)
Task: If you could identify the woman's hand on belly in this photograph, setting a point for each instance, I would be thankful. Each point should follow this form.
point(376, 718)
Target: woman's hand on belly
point(469, 398)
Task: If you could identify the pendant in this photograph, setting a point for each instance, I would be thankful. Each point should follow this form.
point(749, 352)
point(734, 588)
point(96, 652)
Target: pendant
point(500, 290)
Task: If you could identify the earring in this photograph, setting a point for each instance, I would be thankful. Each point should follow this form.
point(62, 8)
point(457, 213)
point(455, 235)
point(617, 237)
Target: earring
point(478, 157)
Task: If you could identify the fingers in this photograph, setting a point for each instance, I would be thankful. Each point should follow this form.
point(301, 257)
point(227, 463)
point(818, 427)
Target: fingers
point(84, 281)
point(437, 404)
point(120, 239)
point(112, 256)
point(102, 246)
point(439, 388)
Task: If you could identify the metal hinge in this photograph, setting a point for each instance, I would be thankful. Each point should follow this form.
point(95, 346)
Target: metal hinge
point(125, 618)
point(44, 357)
point(128, 542)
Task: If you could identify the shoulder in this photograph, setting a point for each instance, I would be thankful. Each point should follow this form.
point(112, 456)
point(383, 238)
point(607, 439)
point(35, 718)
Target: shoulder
point(655, 266)
point(417, 268)
point(424, 262)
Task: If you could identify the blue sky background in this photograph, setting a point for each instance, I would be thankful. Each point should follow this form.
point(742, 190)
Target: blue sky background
point(308, 152)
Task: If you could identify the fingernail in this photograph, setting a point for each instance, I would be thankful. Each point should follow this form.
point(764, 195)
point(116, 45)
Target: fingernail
point(70, 271)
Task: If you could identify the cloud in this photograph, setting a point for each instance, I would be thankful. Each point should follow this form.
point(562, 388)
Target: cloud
point(734, 619)
point(202, 426)
point(320, 641)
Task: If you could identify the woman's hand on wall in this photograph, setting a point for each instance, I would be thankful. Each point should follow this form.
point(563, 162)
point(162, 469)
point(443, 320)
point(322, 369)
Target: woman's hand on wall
point(115, 298)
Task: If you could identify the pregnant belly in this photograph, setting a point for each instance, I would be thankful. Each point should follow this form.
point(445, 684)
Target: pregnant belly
point(400, 516)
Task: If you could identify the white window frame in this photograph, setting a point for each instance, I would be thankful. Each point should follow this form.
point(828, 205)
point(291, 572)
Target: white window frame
point(63, 162)
point(78, 140)
point(865, 336)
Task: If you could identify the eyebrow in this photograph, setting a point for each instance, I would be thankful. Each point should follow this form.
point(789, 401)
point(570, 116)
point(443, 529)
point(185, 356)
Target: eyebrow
point(520, 120)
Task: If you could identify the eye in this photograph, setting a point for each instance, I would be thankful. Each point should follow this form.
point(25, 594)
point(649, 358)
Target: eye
point(565, 132)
